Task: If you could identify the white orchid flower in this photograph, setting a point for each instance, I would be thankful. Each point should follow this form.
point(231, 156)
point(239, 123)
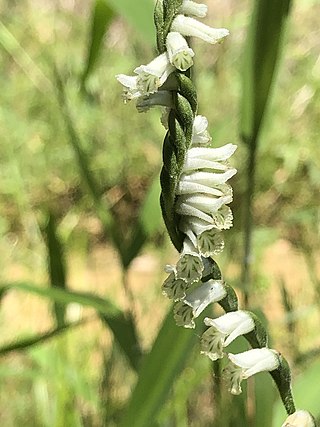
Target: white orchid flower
point(180, 54)
point(196, 301)
point(248, 363)
point(153, 75)
point(223, 331)
point(192, 8)
point(191, 27)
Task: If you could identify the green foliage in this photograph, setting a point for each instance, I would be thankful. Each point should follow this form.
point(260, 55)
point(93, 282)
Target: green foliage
point(121, 326)
point(158, 373)
point(261, 57)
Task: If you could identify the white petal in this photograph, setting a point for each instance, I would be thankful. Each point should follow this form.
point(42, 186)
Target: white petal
point(193, 9)
point(154, 74)
point(180, 54)
point(191, 27)
point(255, 360)
point(185, 209)
point(213, 154)
point(206, 203)
point(130, 86)
point(205, 294)
point(162, 98)
point(200, 135)
point(192, 187)
point(299, 419)
point(209, 178)
point(232, 324)
point(196, 164)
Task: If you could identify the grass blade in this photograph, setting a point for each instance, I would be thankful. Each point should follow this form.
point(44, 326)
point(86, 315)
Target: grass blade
point(158, 372)
point(122, 327)
point(101, 18)
point(263, 48)
point(25, 343)
point(56, 264)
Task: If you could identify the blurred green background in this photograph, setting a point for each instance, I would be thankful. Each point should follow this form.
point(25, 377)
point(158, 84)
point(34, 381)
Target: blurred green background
point(83, 246)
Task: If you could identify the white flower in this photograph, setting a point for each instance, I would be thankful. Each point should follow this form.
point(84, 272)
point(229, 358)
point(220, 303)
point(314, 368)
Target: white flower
point(200, 135)
point(200, 205)
point(129, 83)
point(223, 331)
point(191, 27)
point(154, 74)
point(172, 287)
point(162, 98)
point(180, 54)
point(193, 9)
point(196, 301)
point(248, 363)
point(300, 419)
point(189, 266)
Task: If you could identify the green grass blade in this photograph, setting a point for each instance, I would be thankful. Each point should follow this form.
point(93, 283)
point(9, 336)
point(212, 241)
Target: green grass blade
point(56, 264)
point(138, 13)
point(122, 327)
point(158, 372)
point(101, 18)
point(24, 343)
point(262, 52)
point(306, 392)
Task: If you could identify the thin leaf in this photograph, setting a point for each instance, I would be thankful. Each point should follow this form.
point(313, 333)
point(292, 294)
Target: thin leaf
point(158, 372)
point(122, 327)
point(101, 18)
point(24, 343)
point(56, 264)
point(263, 48)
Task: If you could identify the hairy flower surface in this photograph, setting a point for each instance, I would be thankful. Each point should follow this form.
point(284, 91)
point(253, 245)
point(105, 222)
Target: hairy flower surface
point(191, 27)
point(300, 419)
point(197, 300)
point(192, 8)
point(248, 363)
point(180, 54)
point(223, 331)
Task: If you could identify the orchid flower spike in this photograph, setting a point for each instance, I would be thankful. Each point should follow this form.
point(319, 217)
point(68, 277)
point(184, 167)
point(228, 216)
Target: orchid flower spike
point(223, 331)
point(192, 8)
point(300, 419)
point(190, 27)
point(197, 300)
point(248, 363)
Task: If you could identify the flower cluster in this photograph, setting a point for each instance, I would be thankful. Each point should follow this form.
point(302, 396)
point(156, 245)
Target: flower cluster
point(150, 78)
point(199, 194)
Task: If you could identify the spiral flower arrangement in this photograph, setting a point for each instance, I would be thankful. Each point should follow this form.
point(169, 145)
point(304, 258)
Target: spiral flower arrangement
point(194, 200)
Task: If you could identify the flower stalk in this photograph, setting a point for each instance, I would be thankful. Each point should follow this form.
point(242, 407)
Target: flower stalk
point(195, 198)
